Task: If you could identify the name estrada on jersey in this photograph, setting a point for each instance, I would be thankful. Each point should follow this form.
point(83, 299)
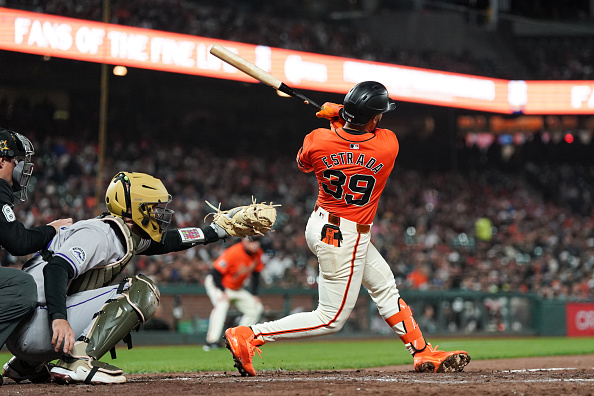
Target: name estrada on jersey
point(347, 158)
point(351, 167)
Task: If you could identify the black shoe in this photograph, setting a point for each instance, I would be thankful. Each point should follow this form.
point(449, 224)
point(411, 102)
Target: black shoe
point(19, 370)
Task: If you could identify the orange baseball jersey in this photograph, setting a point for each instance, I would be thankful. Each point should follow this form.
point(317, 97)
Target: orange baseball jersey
point(235, 264)
point(352, 169)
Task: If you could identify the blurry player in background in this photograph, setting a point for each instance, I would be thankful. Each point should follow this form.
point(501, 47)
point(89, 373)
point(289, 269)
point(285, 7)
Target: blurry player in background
point(352, 161)
point(224, 286)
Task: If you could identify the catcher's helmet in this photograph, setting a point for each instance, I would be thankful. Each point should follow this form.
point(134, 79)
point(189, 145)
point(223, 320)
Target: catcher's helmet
point(142, 198)
point(364, 101)
point(15, 145)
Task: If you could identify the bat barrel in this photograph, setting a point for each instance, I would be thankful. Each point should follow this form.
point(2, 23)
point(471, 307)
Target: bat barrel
point(261, 75)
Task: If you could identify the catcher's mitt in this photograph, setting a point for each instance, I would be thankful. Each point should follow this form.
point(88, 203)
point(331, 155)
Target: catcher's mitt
point(245, 221)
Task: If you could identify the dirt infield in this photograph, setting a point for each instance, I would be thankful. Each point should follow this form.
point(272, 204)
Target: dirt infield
point(560, 375)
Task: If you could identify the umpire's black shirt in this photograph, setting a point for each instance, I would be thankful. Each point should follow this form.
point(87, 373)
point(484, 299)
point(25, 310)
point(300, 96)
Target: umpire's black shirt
point(14, 237)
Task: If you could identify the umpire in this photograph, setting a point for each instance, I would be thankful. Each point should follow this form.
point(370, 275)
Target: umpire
point(18, 291)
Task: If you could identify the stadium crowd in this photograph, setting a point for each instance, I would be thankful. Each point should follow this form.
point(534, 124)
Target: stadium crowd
point(558, 58)
point(529, 230)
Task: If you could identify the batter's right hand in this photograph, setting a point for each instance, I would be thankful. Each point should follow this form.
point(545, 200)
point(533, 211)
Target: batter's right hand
point(61, 223)
point(62, 333)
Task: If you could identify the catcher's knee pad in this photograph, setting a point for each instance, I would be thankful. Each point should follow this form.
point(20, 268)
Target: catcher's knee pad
point(121, 315)
point(406, 327)
point(144, 296)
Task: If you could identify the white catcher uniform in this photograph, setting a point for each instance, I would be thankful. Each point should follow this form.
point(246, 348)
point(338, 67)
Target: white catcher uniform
point(74, 277)
point(85, 245)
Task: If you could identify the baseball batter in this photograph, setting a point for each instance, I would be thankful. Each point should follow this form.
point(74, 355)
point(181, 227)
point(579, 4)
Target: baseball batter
point(224, 286)
point(352, 161)
point(81, 315)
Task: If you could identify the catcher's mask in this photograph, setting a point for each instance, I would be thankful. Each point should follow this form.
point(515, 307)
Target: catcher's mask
point(20, 149)
point(364, 101)
point(141, 198)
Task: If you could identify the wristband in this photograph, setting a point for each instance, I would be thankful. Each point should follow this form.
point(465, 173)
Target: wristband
point(191, 235)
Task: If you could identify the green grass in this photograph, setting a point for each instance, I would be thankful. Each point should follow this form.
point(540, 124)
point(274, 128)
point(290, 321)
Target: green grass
point(320, 354)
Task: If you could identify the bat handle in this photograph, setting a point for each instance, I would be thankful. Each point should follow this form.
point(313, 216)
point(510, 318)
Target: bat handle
point(291, 92)
point(308, 101)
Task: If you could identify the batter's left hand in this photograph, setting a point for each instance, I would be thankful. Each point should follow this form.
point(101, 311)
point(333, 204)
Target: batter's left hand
point(329, 110)
point(62, 333)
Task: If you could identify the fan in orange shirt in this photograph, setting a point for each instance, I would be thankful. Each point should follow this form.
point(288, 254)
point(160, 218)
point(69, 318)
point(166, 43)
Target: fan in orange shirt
point(418, 277)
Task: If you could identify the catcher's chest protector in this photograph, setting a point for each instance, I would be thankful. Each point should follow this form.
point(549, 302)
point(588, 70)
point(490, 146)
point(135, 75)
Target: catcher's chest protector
point(98, 277)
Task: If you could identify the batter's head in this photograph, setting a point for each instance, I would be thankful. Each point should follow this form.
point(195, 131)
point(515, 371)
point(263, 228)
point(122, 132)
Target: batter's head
point(14, 145)
point(364, 101)
point(141, 198)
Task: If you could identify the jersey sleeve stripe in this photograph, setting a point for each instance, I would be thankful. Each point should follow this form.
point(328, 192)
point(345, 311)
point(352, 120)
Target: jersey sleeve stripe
point(70, 261)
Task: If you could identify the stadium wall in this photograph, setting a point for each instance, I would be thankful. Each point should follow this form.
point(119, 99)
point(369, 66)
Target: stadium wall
point(184, 310)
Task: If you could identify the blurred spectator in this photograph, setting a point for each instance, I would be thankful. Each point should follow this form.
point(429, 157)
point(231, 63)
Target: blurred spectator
point(541, 209)
point(539, 245)
point(427, 320)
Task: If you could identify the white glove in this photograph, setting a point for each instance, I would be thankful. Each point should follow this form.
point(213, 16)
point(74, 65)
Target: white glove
point(221, 233)
point(218, 229)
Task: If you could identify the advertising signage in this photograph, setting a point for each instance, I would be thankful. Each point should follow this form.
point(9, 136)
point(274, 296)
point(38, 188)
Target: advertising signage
point(61, 37)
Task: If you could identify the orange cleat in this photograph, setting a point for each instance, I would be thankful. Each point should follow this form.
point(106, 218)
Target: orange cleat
point(430, 359)
point(243, 346)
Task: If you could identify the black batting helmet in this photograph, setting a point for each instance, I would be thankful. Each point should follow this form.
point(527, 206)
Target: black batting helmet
point(364, 101)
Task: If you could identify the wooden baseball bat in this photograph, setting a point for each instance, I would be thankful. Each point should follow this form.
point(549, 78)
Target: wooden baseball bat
point(254, 71)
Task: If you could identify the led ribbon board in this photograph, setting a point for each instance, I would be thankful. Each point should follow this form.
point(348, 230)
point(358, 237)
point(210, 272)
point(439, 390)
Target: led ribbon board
point(70, 38)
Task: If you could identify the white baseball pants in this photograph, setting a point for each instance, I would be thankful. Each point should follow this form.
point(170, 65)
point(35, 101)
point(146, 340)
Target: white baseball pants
point(32, 340)
point(250, 307)
point(342, 272)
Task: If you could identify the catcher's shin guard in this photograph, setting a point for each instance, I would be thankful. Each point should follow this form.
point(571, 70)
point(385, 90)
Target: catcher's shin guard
point(112, 323)
point(407, 328)
point(118, 317)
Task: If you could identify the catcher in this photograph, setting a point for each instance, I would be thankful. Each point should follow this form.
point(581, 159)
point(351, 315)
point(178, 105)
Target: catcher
point(81, 315)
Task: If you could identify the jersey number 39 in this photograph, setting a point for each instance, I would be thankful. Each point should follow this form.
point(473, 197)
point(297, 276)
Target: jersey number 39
point(355, 190)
